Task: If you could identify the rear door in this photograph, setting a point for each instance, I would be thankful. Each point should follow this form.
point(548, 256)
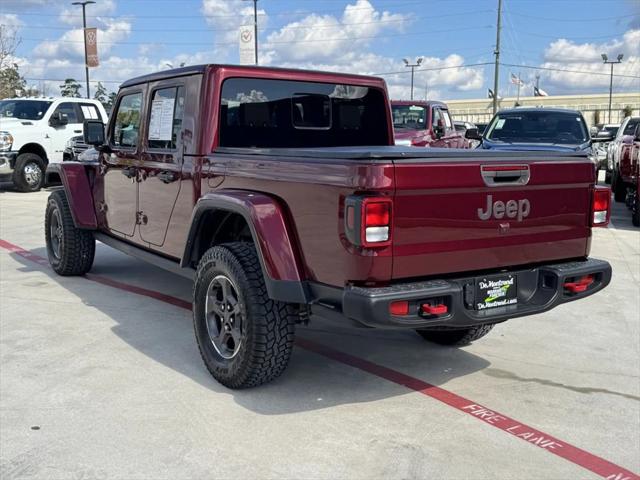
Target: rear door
point(473, 213)
point(60, 134)
point(120, 166)
point(161, 167)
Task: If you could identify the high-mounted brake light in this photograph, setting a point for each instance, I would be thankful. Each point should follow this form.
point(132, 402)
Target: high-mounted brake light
point(368, 221)
point(601, 207)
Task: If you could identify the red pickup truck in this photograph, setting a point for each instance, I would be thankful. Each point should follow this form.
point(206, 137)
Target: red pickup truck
point(425, 124)
point(280, 193)
point(621, 159)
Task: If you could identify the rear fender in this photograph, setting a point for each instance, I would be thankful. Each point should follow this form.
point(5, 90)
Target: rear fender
point(75, 181)
point(274, 243)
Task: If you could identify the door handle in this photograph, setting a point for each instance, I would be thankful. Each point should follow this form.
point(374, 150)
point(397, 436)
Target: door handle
point(129, 172)
point(77, 131)
point(167, 176)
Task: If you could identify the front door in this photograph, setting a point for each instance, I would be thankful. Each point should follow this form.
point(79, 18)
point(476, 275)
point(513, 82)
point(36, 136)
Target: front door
point(59, 135)
point(120, 166)
point(161, 168)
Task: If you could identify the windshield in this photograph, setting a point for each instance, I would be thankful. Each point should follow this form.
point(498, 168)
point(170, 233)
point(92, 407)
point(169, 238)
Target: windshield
point(612, 130)
point(24, 109)
point(538, 127)
point(631, 126)
point(409, 116)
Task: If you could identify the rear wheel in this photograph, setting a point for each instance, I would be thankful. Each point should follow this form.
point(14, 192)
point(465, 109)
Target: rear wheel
point(635, 218)
point(245, 337)
point(455, 337)
point(28, 174)
point(70, 249)
point(619, 188)
point(607, 177)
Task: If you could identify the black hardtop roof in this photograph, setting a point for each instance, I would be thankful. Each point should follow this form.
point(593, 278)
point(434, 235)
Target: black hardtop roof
point(196, 69)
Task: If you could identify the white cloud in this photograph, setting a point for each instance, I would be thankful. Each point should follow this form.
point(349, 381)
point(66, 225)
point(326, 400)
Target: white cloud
point(226, 16)
point(586, 57)
point(324, 37)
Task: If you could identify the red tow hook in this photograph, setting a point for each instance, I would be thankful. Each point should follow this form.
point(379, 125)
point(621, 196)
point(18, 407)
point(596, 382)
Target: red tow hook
point(434, 309)
point(580, 285)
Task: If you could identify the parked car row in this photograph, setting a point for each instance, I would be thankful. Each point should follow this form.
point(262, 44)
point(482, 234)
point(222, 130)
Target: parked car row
point(34, 132)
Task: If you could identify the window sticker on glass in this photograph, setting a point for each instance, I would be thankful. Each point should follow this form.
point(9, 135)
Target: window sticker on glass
point(161, 121)
point(416, 107)
point(500, 123)
point(89, 112)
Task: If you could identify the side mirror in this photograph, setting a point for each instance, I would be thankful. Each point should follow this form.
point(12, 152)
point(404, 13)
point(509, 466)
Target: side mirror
point(93, 132)
point(472, 134)
point(593, 132)
point(58, 120)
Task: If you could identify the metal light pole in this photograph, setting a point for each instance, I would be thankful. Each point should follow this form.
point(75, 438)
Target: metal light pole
point(412, 66)
point(84, 27)
point(606, 60)
point(255, 28)
point(496, 52)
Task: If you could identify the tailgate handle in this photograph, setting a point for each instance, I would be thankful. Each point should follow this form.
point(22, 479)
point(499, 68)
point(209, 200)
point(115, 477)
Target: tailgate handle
point(499, 175)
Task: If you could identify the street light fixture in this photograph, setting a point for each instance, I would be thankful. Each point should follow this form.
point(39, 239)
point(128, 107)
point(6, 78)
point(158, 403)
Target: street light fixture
point(84, 28)
point(606, 61)
point(407, 63)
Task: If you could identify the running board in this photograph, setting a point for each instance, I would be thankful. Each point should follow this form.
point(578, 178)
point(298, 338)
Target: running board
point(145, 256)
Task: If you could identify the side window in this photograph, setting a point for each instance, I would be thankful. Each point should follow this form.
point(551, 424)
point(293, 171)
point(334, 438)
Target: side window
point(89, 112)
point(437, 117)
point(447, 119)
point(165, 118)
point(127, 125)
point(68, 109)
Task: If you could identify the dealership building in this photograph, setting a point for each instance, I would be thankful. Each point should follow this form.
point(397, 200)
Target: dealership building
point(480, 110)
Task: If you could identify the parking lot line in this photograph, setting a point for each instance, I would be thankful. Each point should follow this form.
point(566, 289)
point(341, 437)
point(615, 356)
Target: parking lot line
point(573, 454)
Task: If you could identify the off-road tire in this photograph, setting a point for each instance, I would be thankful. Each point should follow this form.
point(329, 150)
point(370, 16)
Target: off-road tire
point(23, 162)
point(635, 217)
point(75, 247)
point(607, 177)
point(619, 188)
point(268, 325)
point(456, 338)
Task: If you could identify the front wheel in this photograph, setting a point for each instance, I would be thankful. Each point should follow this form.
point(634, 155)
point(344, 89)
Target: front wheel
point(28, 175)
point(245, 338)
point(456, 337)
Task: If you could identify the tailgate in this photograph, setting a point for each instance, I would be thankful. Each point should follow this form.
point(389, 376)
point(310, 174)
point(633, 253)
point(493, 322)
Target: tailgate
point(455, 215)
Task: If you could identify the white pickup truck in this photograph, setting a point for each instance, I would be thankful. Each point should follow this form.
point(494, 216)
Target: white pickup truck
point(34, 133)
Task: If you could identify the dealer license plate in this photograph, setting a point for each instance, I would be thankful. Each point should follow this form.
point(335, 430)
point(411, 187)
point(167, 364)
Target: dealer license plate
point(496, 291)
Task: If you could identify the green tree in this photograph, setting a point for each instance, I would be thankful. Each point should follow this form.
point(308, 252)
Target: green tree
point(110, 101)
point(70, 88)
point(627, 111)
point(101, 94)
point(12, 84)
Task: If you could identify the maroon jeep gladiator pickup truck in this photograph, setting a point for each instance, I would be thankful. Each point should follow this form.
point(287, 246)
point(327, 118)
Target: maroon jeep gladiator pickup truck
point(282, 195)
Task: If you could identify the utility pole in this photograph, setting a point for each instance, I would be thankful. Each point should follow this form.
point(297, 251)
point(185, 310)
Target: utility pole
point(496, 52)
point(606, 61)
point(412, 66)
point(84, 28)
point(255, 28)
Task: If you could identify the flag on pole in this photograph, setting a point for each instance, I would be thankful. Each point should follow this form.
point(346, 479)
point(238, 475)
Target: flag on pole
point(516, 80)
point(91, 47)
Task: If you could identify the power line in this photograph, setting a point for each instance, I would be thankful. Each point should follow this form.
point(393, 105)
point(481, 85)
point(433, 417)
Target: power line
point(317, 40)
point(301, 27)
point(552, 69)
point(576, 20)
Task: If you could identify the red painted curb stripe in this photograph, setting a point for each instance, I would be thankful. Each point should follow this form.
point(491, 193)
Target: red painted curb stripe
point(575, 455)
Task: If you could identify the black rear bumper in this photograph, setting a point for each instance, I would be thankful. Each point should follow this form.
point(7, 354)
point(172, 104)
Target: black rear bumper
point(539, 289)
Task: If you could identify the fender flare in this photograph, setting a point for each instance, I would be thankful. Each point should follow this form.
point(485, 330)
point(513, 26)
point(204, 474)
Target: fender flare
point(75, 182)
point(276, 248)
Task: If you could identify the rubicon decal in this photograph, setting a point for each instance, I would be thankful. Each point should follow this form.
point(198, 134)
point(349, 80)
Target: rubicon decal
point(518, 209)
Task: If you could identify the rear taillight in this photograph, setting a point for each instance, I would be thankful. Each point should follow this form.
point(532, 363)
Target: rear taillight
point(368, 221)
point(601, 207)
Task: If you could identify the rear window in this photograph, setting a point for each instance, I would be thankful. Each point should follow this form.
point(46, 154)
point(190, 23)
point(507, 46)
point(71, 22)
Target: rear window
point(631, 126)
point(288, 114)
point(538, 127)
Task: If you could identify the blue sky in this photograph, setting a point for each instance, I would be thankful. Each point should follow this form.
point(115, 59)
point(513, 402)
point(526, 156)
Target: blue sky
point(362, 36)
